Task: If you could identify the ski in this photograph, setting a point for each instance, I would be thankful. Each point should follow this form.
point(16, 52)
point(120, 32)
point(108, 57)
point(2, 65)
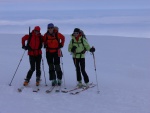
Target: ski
point(58, 89)
point(50, 89)
point(21, 88)
point(83, 89)
point(74, 89)
point(36, 89)
point(66, 91)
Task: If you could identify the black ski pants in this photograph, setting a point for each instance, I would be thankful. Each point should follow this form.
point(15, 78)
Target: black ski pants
point(35, 63)
point(80, 68)
point(54, 66)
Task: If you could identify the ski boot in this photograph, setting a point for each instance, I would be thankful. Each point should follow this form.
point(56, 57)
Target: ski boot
point(54, 82)
point(59, 82)
point(80, 85)
point(26, 82)
point(37, 81)
point(87, 85)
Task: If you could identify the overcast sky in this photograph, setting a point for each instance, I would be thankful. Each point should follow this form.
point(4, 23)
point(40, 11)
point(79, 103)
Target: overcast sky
point(74, 4)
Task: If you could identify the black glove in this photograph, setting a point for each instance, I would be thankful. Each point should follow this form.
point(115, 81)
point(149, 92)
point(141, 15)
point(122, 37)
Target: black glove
point(45, 46)
point(92, 49)
point(60, 45)
point(73, 49)
point(25, 47)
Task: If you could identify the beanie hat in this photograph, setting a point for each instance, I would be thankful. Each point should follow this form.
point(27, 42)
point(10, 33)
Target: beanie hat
point(56, 28)
point(50, 25)
point(37, 28)
point(76, 30)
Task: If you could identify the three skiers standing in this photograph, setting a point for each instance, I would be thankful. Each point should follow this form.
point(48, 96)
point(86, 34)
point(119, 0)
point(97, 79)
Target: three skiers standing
point(53, 41)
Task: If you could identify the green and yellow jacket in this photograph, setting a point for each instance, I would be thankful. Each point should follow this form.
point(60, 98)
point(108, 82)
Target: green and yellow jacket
point(82, 46)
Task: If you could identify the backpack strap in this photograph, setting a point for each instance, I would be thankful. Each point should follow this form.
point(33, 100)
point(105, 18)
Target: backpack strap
point(40, 37)
point(81, 42)
point(82, 52)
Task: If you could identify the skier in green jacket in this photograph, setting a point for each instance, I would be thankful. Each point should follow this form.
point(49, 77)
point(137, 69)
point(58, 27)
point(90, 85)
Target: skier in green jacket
point(78, 46)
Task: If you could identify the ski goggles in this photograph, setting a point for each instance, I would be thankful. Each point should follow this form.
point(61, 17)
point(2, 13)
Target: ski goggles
point(50, 27)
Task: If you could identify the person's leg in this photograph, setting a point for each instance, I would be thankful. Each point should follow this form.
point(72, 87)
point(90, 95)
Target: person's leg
point(82, 65)
point(31, 70)
point(78, 71)
point(58, 68)
point(50, 62)
point(38, 69)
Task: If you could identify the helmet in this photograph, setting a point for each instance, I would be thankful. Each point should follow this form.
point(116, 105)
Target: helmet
point(50, 25)
point(77, 30)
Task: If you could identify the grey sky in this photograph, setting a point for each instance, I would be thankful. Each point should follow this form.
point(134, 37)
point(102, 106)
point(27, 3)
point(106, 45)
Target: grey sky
point(68, 4)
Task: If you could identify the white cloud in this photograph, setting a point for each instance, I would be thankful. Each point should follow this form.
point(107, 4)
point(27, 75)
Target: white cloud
point(71, 4)
point(45, 0)
point(12, 1)
point(87, 21)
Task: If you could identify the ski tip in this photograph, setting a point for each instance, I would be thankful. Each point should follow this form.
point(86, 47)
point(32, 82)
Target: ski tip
point(35, 91)
point(57, 91)
point(47, 91)
point(19, 90)
point(98, 92)
point(64, 91)
point(75, 93)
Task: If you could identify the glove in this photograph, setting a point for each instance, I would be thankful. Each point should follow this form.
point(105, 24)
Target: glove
point(92, 49)
point(45, 46)
point(73, 49)
point(25, 47)
point(60, 45)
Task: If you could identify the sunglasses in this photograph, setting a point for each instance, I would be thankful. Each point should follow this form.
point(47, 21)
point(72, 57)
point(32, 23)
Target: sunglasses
point(50, 27)
point(36, 31)
point(76, 33)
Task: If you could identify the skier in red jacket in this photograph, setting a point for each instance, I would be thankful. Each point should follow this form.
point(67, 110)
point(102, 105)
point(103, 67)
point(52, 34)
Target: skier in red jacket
point(34, 45)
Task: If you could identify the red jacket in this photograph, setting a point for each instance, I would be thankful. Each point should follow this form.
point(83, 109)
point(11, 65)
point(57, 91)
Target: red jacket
point(52, 41)
point(34, 43)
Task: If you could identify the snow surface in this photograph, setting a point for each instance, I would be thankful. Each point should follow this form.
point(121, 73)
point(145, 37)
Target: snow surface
point(123, 71)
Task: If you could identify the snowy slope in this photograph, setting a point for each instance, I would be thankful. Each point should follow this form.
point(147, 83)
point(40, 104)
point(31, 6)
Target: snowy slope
point(123, 70)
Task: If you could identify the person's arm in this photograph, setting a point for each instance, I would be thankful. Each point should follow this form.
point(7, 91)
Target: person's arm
point(70, 46)
point(24, 38)
point(62, 39)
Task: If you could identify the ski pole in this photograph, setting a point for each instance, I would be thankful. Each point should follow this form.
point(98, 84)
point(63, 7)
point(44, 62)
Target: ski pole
point(44, 71)
point(17, 68)
point(98, 91)
point(75, 62)
point(63, 69)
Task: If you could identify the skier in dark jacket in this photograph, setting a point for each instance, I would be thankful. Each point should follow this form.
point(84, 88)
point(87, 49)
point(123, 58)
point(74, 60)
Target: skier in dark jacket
point(34, 45)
